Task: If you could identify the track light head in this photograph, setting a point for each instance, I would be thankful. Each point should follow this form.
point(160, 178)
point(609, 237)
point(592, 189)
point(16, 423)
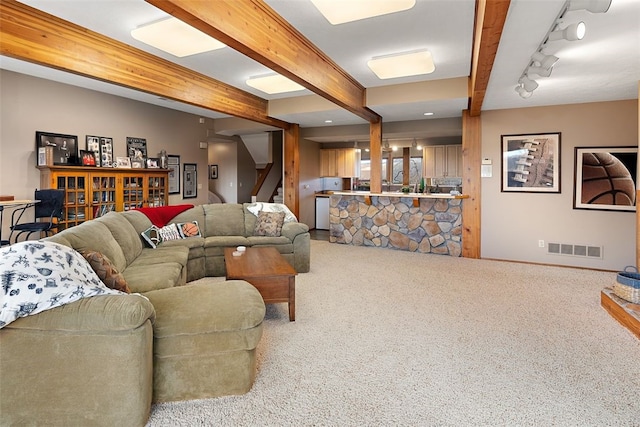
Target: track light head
point(572, 32)
point(528, 84)
point(593, 6)
point(542, 72)
point(545, 61)
point(522, 92)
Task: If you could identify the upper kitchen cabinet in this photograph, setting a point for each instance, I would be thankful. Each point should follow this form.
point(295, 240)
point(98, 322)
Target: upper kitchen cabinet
point(440, 161)
point(340, 162)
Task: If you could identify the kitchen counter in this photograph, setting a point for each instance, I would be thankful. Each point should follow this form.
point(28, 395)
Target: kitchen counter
point(416, 222)
point(401, 194)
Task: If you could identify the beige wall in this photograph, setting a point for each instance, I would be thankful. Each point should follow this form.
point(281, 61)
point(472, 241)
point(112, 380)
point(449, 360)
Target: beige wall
point(30, 104)
point(513, 223)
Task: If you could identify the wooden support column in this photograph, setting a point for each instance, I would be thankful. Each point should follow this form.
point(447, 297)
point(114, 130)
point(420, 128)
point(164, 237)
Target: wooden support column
point(292, 169)
point(406, 165)
point(471, 184)
point(375, 153)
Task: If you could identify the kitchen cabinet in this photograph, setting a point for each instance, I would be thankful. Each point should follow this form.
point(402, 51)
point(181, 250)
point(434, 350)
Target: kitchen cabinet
point(340, 162)
point(328, 162)
point(441, 161)
point(92, 192)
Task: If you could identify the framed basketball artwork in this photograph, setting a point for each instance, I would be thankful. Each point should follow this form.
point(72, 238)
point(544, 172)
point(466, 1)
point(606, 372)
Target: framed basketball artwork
point(605, 178)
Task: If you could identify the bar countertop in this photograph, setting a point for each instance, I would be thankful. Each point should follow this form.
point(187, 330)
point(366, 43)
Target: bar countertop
point(401, 194)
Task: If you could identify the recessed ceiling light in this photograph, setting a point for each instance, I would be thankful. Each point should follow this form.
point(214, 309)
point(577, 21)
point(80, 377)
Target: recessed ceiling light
point(274, 83)
point(402, 64)
point(175, 37)
point(428, 114)
point(328, 121)
point(340, 11)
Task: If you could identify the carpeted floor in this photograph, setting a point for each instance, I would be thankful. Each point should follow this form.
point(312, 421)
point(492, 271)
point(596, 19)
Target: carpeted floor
point(385, 337)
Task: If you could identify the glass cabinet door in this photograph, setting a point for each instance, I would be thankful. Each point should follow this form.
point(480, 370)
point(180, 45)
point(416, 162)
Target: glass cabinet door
point(133, 192)
point(156, 190)
point(103, 194)
point(75, 199)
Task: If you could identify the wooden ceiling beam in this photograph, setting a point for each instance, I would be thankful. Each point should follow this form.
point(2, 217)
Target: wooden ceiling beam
point(34, 36)
point(490, 18)
point(254, 29)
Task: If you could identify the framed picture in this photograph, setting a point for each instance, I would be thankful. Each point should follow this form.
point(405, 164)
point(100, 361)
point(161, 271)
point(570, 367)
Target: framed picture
point(173, 164)
point(213, 172)
point(531, 163)
point(106, 152)
point(153, 162)
point(123, 162)
point(137, 163)
point(93, 145)
point(190, 186)
point(87, 158)
point(65, 147)
point(136, 148)
point(605, 178)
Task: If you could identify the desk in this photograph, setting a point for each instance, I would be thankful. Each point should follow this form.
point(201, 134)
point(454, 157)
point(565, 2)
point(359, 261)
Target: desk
point(12, 204)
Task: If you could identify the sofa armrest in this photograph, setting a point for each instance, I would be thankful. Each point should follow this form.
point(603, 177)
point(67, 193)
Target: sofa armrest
point(292, 229)
point(99, 313)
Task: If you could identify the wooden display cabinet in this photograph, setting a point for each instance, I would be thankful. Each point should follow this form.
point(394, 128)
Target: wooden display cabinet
point(92, 192)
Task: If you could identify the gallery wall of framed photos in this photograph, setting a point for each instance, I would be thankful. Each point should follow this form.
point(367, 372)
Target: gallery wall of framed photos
point(56, 149)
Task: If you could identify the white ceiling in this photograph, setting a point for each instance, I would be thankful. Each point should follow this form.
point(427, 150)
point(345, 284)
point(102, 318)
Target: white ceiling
point(604, 66)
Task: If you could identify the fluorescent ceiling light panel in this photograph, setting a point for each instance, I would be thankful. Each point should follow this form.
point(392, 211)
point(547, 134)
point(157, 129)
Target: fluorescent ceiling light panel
point(274, 83)
point(341, 11)
point(402, 65)
point(175, 37)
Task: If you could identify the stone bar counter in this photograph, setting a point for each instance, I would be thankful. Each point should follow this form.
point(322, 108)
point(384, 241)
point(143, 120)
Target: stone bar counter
point(416, 222)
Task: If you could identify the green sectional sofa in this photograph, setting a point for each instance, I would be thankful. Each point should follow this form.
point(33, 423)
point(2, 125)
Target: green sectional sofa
point(103, 360)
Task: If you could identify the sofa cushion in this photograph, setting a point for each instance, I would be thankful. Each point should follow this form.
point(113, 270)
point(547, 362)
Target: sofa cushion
point(144, 278)
point(282, 243)
point(194, 214)
point(214, 246)
point(224, 219)
point(125, 235)
point(95, 236)
point(230, 309)
point(269, 224)
point(138, 220)
point(106, 271)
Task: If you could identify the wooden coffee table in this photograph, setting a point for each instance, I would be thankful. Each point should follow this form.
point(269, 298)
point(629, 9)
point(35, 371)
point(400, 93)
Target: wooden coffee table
point(268, 271)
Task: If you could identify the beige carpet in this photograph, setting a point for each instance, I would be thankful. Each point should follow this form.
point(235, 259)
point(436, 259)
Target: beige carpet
point(384, 337)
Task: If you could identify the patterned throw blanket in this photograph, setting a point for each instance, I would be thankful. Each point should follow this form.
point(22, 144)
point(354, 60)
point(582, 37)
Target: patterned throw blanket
point(37, 276)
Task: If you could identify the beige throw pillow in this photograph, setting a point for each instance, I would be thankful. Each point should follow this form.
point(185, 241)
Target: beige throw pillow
point(269, 224)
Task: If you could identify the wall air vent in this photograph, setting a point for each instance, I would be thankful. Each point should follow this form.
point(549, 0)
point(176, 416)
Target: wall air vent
point(568, 249)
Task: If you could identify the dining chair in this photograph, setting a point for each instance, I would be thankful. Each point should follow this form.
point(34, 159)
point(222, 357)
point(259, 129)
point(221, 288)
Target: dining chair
point(47, 212)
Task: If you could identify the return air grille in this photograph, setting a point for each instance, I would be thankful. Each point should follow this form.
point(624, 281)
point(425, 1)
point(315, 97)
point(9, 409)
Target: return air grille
point(574, 250)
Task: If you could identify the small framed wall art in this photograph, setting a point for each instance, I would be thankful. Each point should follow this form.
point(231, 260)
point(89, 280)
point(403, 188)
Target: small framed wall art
point(87, 158)
point(93, 145)
point(531, 163)
point(173, 164)
point(106, 152)
point(136, 148)
point(605, 178)
point(190, 181)
point(213, 172)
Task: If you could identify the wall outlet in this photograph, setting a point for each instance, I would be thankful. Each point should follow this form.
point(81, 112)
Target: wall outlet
point(541, 243)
